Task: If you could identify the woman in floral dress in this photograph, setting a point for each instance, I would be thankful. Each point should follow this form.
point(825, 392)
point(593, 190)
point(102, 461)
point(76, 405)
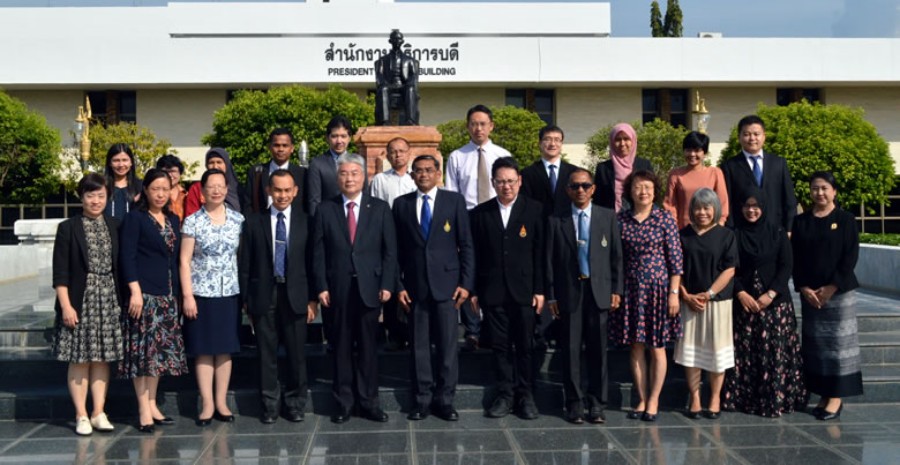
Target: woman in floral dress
point(767, 378)
point(88, 334)
point(653, 266)
point(149, 262)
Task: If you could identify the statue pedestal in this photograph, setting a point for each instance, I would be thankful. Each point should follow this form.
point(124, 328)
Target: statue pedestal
point(372, 144)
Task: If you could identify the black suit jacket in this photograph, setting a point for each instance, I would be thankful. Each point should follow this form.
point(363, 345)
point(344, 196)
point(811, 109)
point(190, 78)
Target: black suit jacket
point(509, 259)
point(447, 259)
point(256, 262)
point(781, 203)
point(605, 252)
point(536, 185)
point(144, 256)
point(605, 179)
point(70, 258)
point(255, 192)
point(322, 182)
point(372, 257)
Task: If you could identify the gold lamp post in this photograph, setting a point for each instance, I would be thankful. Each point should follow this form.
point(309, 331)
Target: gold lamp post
point(700, 115)
point(82, 129)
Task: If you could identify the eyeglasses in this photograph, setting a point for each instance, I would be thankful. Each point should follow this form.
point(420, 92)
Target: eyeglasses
point(552, 140)
point(583, 185)
point(505, 182)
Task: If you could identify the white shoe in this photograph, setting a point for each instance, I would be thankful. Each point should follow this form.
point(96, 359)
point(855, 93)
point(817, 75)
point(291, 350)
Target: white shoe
point(83, 426)
point(101, 423)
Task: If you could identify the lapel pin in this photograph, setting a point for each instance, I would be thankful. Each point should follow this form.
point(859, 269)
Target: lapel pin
point(523, 232)
point(603, 242)
point(447, 226)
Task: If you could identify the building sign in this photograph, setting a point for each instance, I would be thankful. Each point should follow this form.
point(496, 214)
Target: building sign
point(354, 60)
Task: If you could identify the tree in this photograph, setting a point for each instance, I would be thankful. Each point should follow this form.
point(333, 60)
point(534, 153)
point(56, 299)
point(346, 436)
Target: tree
point(672, 23)
point(29, 154)
point(243, 125)
point(656, 24)
point(658, 141)
point(836, 138)
point(515, 129)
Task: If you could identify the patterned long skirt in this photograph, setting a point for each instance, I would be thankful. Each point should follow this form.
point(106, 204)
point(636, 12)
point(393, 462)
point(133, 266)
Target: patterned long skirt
point(153, 342)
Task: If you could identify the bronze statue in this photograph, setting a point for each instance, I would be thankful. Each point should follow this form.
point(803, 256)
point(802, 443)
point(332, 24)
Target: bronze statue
point(397, 85)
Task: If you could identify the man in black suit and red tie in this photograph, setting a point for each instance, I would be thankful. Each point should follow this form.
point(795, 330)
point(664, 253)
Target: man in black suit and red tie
point(510, 250)
point(756, 168)
point(437, 270)
point(585, 277)
point(354, 266)
point(275, 286)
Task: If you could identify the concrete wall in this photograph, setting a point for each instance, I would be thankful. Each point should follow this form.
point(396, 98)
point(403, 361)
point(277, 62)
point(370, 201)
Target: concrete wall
point(181, 115)
point(878, 268)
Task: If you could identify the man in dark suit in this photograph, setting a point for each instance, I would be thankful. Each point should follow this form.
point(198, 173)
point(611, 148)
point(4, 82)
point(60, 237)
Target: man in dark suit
point(509, 244)
point(256, 196)
point(756, 168)
point(545, 181)
point(437, 266)
point(354, 258)
point(322, 180)
point(585, 281)
point(273, 253)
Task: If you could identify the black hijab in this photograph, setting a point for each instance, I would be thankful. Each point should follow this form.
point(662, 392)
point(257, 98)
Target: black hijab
point(760, 241)
point(232, 199)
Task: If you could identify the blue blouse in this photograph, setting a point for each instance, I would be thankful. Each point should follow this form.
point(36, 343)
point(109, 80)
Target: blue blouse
point(214, 270)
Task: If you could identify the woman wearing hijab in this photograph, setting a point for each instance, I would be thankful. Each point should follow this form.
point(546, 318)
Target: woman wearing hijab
point(767, 379)
point(826, 247)
point(216, 159)
point(610, 175)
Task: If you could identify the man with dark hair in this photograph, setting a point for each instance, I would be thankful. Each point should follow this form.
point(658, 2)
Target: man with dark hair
point(281, 146)
point(273, 253)
point(322, 182)
point(756, 168)
point(509, 243)
point(437, 266)
point(585, 281)
point(468, 172)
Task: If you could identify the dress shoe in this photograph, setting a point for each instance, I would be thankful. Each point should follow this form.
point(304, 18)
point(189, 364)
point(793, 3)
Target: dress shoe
point(817, 411)
point(418, 413)
point(268, 418)
point(203, 421)
point(635, 415)
point(447, 413)
point(575, 414)
point(295, 416)
point(649, 417)
point(596, 415)
point(527, 410)
point(375, 414)
point(101, 423)
point(342, 417)
point(147, 429)
point(164, 421)
point(826, 415)
point(223, 418)
point(713, 415)
point(693, 415)
point(83, 426)
point(471, 344)
point(500, 408)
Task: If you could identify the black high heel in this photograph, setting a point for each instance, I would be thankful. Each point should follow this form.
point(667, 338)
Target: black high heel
point(826, 415)
point(201, 422)
point(149, 429)
point(223, 418)
point(635, 414)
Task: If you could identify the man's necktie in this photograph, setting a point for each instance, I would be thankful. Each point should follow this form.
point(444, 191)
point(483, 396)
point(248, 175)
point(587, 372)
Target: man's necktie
point(757, 169)
point(584, 242)
point(351, 221)
point(553, 178)
point(280, 246)
point(484, 178)
point(425, 217)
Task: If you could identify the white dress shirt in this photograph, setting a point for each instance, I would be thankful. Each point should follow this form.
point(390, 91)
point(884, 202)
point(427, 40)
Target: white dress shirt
point(389, 185)
point(420, 198)
point(547, 164)
point(273, 218)
point(462, 170)
point(505, 210)
point(355, 208)
point(749, 158)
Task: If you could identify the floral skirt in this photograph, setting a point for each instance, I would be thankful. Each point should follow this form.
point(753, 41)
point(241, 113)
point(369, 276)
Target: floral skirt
point(98, 335)
point(153, 341)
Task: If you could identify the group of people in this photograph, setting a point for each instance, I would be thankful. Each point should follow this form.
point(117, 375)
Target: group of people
point(150, 273)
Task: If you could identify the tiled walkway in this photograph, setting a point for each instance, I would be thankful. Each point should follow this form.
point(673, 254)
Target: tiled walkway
point(868, 434)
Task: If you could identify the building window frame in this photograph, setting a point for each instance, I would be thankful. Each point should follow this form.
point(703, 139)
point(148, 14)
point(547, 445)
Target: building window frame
point(113, 106)
point(534, 100)
point(668, 104)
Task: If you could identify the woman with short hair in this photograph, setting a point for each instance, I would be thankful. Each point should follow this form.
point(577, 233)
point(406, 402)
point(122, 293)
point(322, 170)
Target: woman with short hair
point(687, 179)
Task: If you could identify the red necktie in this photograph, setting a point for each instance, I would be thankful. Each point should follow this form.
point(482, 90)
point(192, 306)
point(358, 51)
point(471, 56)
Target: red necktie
point(351, 221)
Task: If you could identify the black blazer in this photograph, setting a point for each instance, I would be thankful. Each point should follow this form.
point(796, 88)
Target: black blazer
point(605, 179)
point(70, 259)
point(255, 192)
point(511, 259)
point(256, 266)
point(445, 261)
point(372, 257)
point(607, 276)
point(322, 182)
point(144, 257)
point(781, 203)
point(536, 185)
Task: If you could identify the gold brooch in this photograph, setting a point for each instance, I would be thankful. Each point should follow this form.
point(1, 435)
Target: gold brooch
point(603, 241)
point(833, 226)
point(447, 226)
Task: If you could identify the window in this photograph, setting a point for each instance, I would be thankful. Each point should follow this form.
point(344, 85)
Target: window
point(788, 95)
point(113, 106)
point(540, 101)
point(666, 104)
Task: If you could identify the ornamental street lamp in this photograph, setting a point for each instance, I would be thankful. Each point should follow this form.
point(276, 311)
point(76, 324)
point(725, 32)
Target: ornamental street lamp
point(82, 130)
point(700, 116)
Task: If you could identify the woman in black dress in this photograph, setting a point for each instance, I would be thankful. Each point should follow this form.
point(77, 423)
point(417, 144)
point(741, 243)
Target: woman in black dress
point(124, 186)
point(767, 379)
point(826, 247)
point(88, 334)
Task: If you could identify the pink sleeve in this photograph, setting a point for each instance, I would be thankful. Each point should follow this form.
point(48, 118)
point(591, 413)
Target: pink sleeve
point(722, 192)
